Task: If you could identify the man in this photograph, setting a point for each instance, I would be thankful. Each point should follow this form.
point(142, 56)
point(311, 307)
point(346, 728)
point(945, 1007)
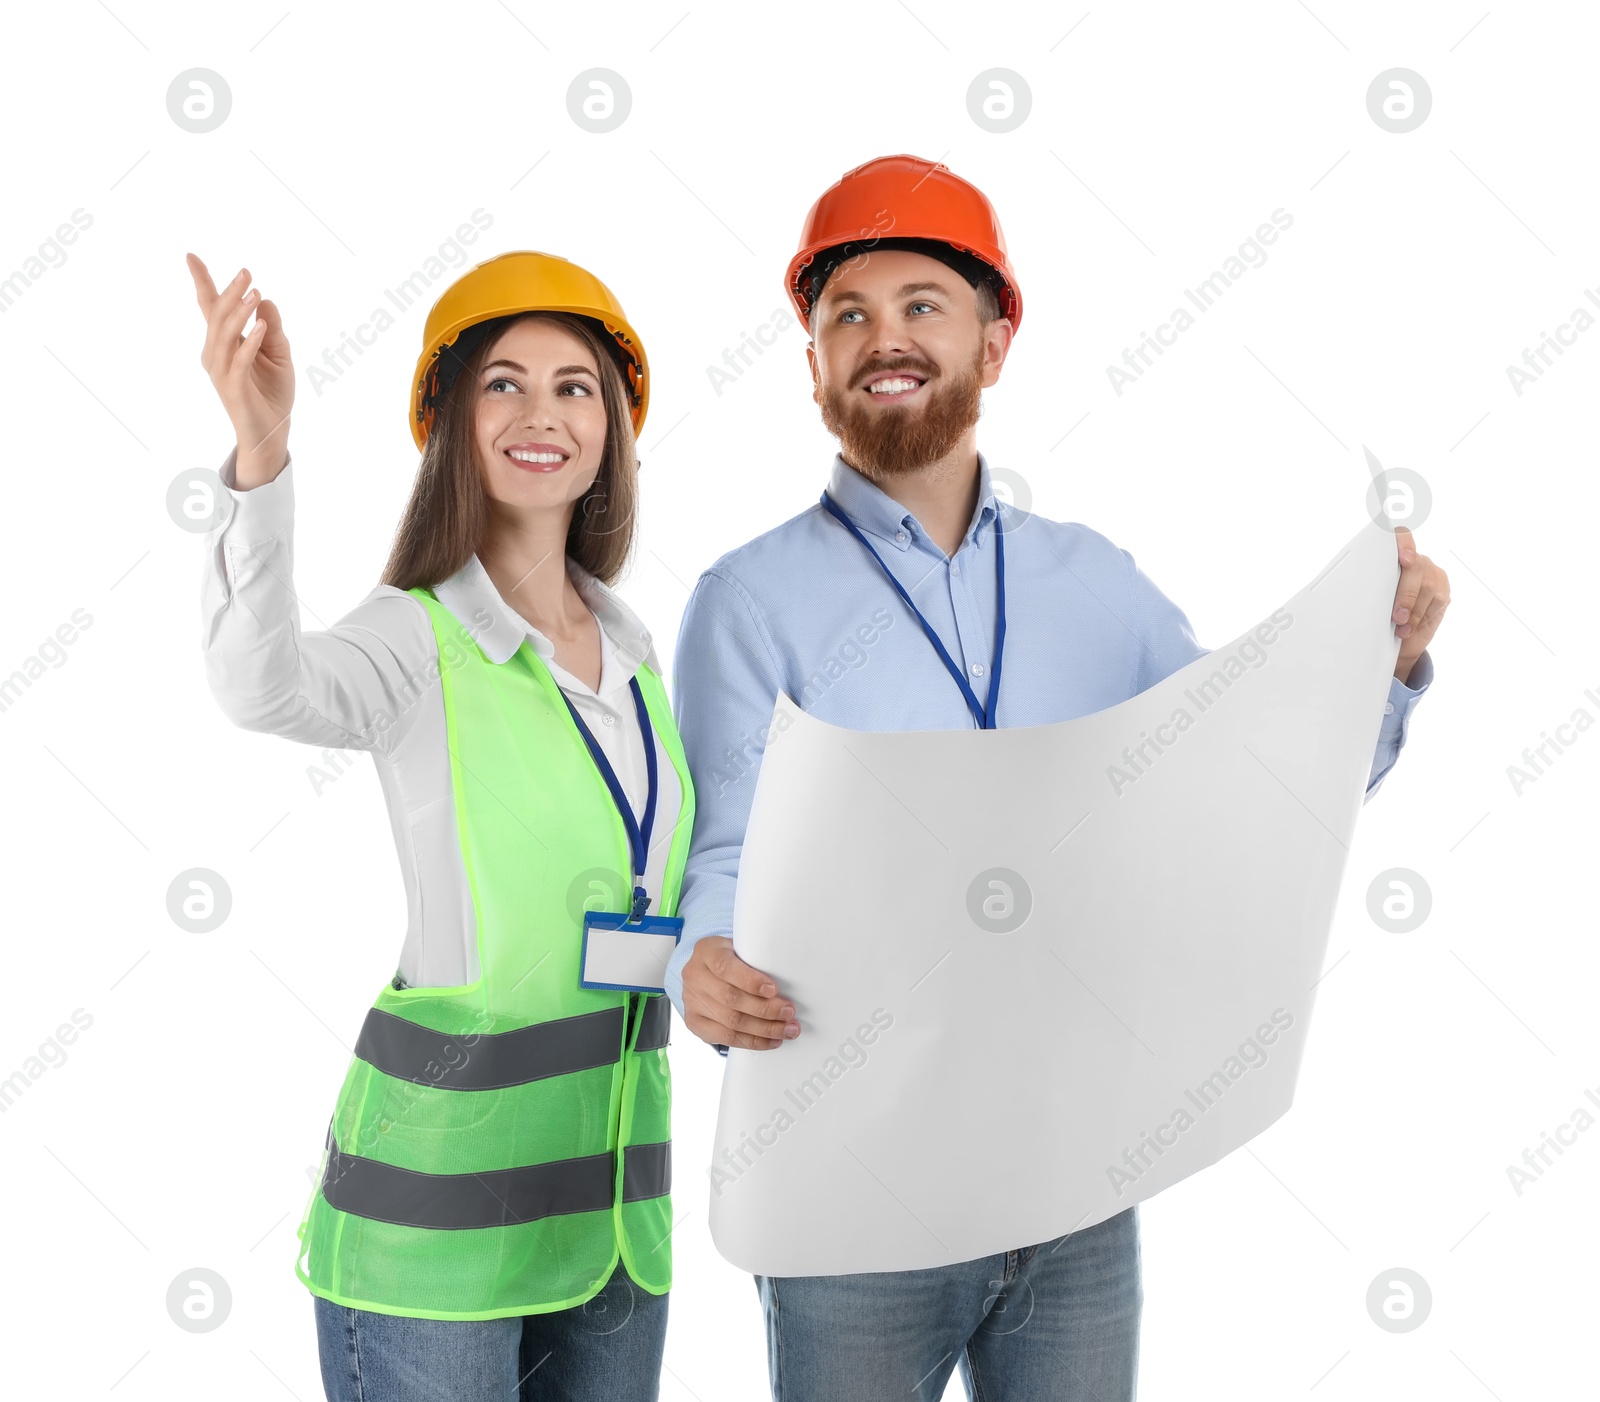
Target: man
point(904, 282)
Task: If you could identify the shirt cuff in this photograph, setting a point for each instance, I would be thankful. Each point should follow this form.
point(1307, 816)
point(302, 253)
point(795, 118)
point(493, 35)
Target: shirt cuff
point(672, 977)
point(262, 512)
point(1403, 697)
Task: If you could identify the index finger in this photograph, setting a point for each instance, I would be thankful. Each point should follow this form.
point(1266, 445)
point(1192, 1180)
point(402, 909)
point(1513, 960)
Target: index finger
point(205, 290)
point(732, 969)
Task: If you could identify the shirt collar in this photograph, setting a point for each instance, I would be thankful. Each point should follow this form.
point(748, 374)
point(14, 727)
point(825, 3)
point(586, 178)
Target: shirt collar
point(878, 513)
point(471, 596)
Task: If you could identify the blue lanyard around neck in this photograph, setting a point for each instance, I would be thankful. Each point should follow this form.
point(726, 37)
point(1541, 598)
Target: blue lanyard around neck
point(638, 838)
point(983, 714)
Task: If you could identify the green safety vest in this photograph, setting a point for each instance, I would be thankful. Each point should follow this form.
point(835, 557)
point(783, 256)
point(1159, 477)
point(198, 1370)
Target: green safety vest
point(496, 1146)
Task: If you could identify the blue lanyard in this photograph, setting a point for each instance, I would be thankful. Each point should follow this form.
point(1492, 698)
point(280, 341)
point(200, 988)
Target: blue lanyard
point(984, 714)
point(638, 838)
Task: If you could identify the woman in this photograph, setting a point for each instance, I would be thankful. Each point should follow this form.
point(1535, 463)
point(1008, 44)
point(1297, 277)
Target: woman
point(493, 1216)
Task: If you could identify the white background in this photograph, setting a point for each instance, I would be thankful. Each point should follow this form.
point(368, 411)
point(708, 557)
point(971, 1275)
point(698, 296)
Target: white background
point(180, 1129)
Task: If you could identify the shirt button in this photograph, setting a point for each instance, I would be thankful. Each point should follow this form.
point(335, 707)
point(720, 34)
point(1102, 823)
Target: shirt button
point(1388, 708)
point(977, 669)
point(955, 567)
point(608, 718)
point(899, 535)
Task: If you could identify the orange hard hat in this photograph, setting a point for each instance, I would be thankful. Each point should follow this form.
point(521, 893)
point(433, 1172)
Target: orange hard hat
point(904, 197)
point(524, 281)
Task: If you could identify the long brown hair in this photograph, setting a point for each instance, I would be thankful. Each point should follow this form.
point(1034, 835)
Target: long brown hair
point(449, 511)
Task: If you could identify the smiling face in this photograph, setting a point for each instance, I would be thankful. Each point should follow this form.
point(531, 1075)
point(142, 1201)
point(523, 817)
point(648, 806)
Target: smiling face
point(540, 422)
point(898, 358)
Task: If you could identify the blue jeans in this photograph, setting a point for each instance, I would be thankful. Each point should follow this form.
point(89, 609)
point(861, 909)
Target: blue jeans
point(607, 1349)
point(1056, 1322)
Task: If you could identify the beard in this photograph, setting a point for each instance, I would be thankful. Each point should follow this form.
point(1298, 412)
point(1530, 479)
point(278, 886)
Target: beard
point(886, 441)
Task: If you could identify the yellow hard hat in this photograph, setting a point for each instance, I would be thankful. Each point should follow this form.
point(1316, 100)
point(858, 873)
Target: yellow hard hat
point(523, 281)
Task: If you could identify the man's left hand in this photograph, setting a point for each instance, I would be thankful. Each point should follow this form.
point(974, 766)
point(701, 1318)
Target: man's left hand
point(1420, 600)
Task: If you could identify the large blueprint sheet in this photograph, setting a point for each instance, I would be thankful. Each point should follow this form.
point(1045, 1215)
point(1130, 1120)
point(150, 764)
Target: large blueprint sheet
point(1044, 973)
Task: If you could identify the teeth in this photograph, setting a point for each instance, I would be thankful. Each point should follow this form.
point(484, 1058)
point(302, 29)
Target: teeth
point(893, 386)
point(522, 455)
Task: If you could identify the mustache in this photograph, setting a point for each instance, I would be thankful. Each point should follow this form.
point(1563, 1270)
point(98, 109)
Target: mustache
point(925, 368)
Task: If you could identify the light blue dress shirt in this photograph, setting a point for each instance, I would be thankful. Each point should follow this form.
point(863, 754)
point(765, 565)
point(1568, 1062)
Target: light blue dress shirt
point(806, 610)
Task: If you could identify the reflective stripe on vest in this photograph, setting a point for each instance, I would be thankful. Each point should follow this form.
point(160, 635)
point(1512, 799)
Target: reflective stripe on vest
point(496, 1147)
point(459, 1201)
point(489, 1061)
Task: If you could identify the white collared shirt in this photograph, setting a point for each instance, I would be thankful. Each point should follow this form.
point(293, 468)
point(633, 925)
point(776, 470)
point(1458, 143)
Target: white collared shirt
point(362, 684)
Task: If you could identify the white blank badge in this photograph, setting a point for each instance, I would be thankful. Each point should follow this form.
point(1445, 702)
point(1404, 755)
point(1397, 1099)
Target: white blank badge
point(623, 953)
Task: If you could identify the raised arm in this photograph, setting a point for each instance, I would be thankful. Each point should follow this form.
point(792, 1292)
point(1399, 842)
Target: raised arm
point(1168, 643)
point(354, 685)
